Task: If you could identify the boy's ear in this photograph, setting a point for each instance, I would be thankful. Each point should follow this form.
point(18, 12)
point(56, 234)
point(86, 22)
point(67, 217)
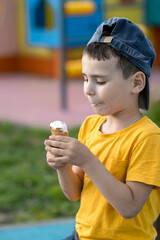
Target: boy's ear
point(138, 82)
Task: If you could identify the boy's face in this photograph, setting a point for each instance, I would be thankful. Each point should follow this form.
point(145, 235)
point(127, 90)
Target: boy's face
point(105, 87)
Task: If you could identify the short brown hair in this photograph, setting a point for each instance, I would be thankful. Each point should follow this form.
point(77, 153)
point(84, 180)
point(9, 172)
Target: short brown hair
point(102, 51)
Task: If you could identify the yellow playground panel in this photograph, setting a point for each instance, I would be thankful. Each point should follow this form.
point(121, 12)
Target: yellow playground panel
point(79, 7)
point(133, 11)
point(74, 68)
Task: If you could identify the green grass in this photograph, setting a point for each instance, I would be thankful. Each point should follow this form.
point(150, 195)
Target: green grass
point(154, 112)
point(29, 189)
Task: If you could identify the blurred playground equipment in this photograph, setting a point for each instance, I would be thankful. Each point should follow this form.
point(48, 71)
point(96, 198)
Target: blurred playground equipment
point(39, 38)
point(32, 39)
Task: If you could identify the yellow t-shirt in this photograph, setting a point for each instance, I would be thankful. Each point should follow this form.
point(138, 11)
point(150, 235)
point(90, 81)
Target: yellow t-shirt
point(132, 154)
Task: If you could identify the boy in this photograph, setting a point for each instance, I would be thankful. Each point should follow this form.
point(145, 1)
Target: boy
point(114, 168)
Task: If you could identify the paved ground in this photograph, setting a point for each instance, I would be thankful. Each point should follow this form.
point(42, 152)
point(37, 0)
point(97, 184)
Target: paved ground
point(35, 101)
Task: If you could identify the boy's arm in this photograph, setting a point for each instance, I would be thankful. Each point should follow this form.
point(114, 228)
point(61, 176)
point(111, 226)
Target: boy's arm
point(127, 198)
point(71, 181)
point(70, 177)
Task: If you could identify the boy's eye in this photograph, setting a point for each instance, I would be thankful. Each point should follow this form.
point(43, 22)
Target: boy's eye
point(101, 83)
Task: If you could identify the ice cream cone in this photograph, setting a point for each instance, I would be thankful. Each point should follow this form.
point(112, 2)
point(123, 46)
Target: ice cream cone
point(58, 131)
point(59, 128)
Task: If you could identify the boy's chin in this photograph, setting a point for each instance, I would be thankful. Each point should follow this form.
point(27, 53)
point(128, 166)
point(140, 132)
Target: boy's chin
point(100, 113)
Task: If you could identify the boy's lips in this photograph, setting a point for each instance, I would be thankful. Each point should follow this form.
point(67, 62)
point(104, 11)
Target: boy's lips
point(96, 104)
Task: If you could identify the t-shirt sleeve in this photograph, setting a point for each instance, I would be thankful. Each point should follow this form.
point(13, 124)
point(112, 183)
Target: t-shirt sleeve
point(144, 163)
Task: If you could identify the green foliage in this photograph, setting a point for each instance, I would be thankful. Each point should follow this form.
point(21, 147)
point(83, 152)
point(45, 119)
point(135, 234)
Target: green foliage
point(154, 112)
point(29, 188)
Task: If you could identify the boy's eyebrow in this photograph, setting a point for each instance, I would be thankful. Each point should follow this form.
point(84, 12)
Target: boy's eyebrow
point(96, 76)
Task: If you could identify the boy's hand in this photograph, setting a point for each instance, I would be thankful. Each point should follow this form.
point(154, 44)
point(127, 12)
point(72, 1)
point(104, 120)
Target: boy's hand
point(66, 150)
point(57, 166)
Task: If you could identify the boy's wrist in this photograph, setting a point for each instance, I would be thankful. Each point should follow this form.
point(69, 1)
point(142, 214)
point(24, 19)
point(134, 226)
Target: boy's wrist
point(64, 168)
point(89, 164)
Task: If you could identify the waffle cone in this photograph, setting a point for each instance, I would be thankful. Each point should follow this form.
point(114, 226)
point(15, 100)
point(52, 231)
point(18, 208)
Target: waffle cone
point(58, 131)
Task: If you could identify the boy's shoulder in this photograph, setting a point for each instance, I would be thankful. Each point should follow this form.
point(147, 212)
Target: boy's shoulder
point(143, 131)
point(144, 126)
point(93, 121)
point(148, 126)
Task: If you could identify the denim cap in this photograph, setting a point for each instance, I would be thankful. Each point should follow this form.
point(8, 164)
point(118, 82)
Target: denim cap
point(130, 41)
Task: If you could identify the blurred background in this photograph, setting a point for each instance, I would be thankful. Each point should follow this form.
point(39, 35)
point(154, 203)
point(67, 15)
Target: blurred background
point(41, 44)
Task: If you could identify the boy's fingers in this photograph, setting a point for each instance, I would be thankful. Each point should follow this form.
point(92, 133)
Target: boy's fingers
point(60, 138)
point(54, 165)
point(57, 160)
point(55, 151)
point(56, 144)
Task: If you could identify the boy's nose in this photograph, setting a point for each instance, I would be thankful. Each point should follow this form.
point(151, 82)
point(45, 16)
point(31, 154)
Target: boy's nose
point(89, 89)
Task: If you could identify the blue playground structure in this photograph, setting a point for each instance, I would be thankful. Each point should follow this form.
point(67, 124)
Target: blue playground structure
point(44, 20)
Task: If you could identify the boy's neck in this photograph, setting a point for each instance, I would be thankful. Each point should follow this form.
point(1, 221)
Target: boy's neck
point(114, 124)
